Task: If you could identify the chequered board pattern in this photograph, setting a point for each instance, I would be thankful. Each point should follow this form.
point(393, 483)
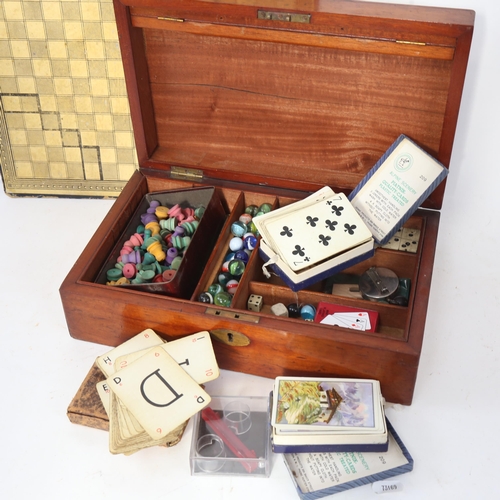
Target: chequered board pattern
point(65, 127)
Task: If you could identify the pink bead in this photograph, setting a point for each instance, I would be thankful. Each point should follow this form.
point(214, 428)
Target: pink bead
point(129, 271)
point(137, 240)
point(175, 211)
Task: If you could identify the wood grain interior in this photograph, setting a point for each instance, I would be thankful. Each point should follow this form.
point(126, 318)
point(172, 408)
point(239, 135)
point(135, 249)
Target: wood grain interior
point(285, 110)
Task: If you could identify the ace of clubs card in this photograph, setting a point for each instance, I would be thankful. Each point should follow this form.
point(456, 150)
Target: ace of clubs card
point(158, 392)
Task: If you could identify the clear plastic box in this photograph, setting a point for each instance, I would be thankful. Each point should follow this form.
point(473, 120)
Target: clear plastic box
point(232, 437)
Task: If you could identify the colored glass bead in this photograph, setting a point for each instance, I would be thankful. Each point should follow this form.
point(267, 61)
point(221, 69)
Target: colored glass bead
point(238, 228)
point(236, 267)
point(223, 299)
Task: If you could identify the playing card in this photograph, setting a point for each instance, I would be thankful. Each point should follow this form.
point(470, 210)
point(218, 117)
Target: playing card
point(158, 392)
point(147, 338)
point(317, 232)
point(194, 353)
point(335, 320)
point(261, 221)
point(346, 313)
point(363, 317)
point(104, 392)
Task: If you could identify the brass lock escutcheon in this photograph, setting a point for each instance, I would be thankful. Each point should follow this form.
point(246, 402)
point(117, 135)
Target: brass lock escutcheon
point(230, 337)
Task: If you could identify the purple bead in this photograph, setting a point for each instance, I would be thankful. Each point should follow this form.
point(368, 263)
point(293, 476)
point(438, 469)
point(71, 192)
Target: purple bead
point(147, 218)
point(179, 231)
point(171, 254)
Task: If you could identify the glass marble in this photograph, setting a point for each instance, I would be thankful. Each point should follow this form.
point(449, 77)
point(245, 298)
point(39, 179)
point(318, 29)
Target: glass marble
point(206, 298)
point(250, 242)
point(252, 210)
point(245, 218)
point(265, 208)
point(253, 228)
point(236, 244)
point(223, 278)
point(238, 228)
point(214, 289)
point(307, 312)
point(236, 267)
point(242, 255)
point(223, 299)
point(231, 286)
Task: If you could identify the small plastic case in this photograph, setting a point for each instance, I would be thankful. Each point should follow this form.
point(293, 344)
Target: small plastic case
point(232, 437)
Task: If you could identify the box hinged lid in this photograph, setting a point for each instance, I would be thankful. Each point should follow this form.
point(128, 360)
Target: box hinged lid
point(292, 95)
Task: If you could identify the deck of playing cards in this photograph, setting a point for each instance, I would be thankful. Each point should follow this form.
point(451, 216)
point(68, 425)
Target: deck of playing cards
point(312, 230)
point(153, 387)
point(327, 415)
point(313, 238)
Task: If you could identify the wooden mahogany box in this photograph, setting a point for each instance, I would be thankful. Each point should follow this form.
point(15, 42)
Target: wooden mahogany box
point(268, 101)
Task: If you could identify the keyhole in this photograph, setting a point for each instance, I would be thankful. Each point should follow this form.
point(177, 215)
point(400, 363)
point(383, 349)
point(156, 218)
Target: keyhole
point(230, 337)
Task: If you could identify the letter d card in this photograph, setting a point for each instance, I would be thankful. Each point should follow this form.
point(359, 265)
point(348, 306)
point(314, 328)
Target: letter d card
point(158, 392)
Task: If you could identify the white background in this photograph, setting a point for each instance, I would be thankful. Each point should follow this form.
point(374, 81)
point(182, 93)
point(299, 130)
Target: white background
point(452, 428)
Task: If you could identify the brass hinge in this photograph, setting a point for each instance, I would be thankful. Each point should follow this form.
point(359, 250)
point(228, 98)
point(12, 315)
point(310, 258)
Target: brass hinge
point(289, 17)
point(175, 19)
point(410, 43)
point(187, 174)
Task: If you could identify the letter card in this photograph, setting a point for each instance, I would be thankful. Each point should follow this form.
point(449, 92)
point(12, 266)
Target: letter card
point(158, 392)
